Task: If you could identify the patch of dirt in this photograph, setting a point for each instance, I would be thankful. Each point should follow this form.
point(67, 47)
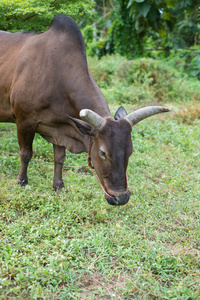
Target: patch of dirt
point(93, 284)
point(177, 249)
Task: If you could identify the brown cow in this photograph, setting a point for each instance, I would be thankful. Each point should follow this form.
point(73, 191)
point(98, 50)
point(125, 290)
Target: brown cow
point(45, 87)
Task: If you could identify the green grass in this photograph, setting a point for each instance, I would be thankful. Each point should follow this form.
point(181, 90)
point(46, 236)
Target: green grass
point(76, 246)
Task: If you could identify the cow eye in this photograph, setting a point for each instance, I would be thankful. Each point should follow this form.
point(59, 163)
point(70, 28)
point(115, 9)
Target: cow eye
point(102, 153)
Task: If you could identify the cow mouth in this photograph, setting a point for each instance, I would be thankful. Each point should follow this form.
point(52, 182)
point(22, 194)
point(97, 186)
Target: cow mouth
point(121, 199)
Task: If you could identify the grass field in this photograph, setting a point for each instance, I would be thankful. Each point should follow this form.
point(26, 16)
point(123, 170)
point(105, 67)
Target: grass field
point(76, 246)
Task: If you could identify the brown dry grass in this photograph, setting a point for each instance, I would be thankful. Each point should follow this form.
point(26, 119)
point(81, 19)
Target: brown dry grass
point(188, 113)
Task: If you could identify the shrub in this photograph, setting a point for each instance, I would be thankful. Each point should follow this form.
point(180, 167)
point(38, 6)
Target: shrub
point(142, 79)
point(157, 79)
point(103, 70)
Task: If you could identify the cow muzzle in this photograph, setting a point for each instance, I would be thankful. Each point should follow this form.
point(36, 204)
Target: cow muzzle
point(118, 200)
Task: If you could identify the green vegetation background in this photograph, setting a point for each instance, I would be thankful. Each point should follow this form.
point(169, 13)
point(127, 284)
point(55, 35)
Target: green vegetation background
point(73, 245)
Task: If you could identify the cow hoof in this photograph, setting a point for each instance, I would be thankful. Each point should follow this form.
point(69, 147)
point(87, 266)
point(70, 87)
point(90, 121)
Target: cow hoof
point(59, 186)
point(61, 189)
point(22, 182)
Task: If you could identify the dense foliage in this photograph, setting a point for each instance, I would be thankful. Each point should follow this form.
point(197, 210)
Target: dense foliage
point(122, 26)
point(32, 15)
point(128, 27)
point(174, 21)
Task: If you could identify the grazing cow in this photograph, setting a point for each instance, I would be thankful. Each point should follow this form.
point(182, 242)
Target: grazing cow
point(45, 87)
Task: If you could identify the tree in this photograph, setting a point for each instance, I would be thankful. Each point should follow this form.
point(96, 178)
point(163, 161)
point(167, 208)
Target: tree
point(36, 15)
point(124, 36)
point(174, 21)
point(113, 30)
point(127, 26)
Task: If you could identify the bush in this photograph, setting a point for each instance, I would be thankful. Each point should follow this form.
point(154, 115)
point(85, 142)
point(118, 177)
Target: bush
point(142, 79)
point(103, 70)
point(185, 60)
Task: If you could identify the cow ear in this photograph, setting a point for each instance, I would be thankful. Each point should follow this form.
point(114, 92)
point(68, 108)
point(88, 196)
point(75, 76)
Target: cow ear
point(120, 113)
point(83, 127)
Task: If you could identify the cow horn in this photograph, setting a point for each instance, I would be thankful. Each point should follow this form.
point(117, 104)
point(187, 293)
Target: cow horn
point(145, 112)
point(92, 118)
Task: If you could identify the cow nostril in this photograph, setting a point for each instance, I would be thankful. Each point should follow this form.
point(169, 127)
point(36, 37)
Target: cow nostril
point(118, 200)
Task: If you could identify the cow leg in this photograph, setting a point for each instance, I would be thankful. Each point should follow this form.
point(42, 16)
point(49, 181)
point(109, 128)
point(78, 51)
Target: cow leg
point(25, 133)
point(59, 156)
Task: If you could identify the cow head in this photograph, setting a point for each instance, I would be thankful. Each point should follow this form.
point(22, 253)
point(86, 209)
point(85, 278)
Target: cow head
point(111, 147)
